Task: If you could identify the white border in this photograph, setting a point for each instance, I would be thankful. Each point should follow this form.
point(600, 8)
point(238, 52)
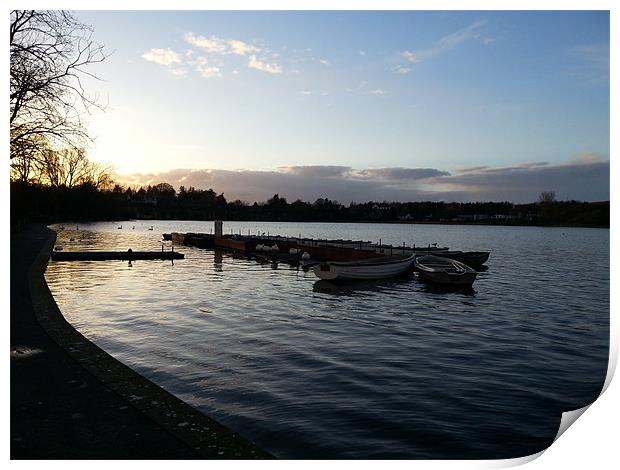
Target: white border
point(591, 442)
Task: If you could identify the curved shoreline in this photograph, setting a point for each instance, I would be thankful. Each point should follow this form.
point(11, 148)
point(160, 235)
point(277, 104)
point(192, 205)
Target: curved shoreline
point(205, 436)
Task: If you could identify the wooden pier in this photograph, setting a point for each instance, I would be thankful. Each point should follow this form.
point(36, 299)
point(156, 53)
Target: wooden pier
point(317, 249)
point(114, 255)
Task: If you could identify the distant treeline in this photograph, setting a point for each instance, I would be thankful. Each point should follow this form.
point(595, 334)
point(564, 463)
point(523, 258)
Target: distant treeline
point(89, 202)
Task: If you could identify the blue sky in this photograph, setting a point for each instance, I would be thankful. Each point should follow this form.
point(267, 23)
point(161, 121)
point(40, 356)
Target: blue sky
point(244, 100)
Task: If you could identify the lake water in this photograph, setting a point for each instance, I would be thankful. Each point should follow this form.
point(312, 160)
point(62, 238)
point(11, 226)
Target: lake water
point(389, 369)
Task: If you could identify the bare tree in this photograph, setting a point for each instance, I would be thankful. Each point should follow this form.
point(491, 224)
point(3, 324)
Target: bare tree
point(546, 197)
point(49, 53)
point(69, 167)
point(98, 176)
point(24, 158)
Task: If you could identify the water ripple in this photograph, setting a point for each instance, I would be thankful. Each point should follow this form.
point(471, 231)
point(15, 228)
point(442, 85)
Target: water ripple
point(389, 369)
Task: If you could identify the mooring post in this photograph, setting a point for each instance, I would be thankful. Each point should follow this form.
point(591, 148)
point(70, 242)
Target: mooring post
point(218, 229)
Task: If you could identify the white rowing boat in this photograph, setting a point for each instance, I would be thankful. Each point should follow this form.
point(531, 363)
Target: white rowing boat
point(444, 271)
point(374, 268)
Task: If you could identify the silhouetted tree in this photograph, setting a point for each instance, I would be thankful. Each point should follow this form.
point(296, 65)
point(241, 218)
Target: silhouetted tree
point(49, 51)
point(546, 197)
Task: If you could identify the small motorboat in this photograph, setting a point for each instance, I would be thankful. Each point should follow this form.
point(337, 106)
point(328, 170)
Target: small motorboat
point(474, 259)
point(373, 268)
point(445, 271)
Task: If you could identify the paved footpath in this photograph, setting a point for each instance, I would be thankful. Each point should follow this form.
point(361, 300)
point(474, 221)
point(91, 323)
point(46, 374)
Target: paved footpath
point(71, 400)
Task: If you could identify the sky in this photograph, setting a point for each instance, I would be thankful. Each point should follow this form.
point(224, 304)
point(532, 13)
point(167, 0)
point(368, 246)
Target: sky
point(356, 106)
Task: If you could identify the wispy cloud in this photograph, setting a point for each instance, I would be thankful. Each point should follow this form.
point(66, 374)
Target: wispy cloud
point(364, 89)
point(209, 65)
point(178, 72)
point(208, 72)
point(217, 45)
point(162, 56)
point(593, 62)
point(203, 67)
point(409, 56)
point(257, 64)
point(323, 61)
point(401, 70)
point(400, 174)
point(444, 44)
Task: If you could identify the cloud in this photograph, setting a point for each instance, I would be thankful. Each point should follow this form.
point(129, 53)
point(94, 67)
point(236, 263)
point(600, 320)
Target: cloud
point(178, 72)
point(217, 45)
point(399, 69)
point(213, 49)
point(469, 169)
point(254, 63)
point(444, 44)
point(321, 171)
point(253, 186)
point(162, 56)
point(378, 91)
point(587, 158)
point(241, 48)
point(586, 178)
point(208, 72)
point(400, 174)
point(362, 53)
point(323, 61)
point(409, 56)
point(305, 92)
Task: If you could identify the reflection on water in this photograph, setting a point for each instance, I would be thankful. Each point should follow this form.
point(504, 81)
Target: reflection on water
point(392, 369)
point(385, 286)
point(218, 260)
point(433, 288)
